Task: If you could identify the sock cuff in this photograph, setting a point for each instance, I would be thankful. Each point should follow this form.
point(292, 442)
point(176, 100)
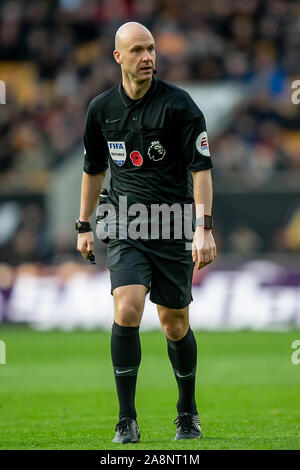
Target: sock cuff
point(183, 342)
point(124, 330)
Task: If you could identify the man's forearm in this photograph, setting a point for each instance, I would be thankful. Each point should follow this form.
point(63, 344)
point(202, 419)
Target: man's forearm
point(203, 192)
point(91, 187)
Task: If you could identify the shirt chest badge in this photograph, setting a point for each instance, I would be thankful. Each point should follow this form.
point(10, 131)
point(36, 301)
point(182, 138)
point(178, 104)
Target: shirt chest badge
point(136, 158)
point(117, 151)
point(156, 151)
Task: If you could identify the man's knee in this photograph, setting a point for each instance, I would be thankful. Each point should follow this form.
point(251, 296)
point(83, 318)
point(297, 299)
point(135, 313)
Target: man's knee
point(129, 305)
point(175, 323)
point(127, 314)
point(175, 332)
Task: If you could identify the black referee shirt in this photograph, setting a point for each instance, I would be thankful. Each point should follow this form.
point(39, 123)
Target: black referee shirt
point(151, 145)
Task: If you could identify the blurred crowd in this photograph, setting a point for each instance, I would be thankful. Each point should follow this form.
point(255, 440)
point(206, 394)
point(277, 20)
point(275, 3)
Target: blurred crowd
point(56, 55)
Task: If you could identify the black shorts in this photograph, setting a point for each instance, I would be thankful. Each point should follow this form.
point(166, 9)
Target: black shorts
point(164, 266)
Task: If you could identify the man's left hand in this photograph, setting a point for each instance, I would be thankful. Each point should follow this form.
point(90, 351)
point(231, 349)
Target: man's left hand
point(204, 249)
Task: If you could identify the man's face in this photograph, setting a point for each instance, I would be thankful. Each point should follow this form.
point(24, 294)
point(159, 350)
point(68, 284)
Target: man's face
point(138, 59)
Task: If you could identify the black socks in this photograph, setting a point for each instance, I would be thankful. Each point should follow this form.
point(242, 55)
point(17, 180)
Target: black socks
point(126, 358)
point(183, 357)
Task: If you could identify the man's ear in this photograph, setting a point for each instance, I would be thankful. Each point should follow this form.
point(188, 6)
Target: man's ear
point(117, 56)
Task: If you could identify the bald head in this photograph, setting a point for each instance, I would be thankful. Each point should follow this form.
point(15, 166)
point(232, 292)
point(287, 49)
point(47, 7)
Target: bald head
point(135, 53)
point(130, 33)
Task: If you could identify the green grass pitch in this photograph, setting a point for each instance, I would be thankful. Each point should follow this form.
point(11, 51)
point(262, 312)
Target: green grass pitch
point(57, 391)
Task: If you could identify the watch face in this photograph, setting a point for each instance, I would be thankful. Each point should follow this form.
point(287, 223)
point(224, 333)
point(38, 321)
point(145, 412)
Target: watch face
point(207, 221)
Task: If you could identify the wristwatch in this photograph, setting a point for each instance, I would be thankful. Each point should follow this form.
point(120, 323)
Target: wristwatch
point(82, 227)
point(205, 222)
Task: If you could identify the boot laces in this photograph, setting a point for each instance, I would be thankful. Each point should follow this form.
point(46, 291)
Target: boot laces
point(123, 426)
point(185, 422)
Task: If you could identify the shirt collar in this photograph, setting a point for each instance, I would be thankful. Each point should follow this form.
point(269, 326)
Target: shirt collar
point(129, 102)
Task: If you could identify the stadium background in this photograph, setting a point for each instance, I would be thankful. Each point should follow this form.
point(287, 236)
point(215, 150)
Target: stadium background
point(238, 59)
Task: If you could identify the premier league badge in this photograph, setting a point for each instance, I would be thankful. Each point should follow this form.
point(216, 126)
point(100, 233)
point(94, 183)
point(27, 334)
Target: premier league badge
point(117, 151)
point(156, 151)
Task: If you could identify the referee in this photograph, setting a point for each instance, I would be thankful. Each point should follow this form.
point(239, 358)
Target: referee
point(153, 137)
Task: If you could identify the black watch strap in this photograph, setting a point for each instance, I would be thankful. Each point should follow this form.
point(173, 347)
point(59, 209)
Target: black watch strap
point(205, 221)
point(82, 227)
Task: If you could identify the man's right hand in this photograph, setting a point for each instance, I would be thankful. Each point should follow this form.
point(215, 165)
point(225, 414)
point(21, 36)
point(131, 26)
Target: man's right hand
point(85, 243)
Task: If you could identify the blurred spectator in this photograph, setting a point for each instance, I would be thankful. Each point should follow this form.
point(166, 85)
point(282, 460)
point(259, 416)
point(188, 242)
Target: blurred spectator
point(55, 56)
point(27, 236)
point(70, 43)
point(244, 240)
point(292, 232)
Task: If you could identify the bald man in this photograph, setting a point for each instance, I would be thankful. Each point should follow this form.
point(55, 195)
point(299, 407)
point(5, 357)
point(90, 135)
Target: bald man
point(132, 38)
point(153, 137)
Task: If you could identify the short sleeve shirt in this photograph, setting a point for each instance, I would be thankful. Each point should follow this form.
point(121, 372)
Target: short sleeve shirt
point(151, 145)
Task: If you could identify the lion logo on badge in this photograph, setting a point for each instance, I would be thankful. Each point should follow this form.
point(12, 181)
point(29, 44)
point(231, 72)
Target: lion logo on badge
point(156, 151)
